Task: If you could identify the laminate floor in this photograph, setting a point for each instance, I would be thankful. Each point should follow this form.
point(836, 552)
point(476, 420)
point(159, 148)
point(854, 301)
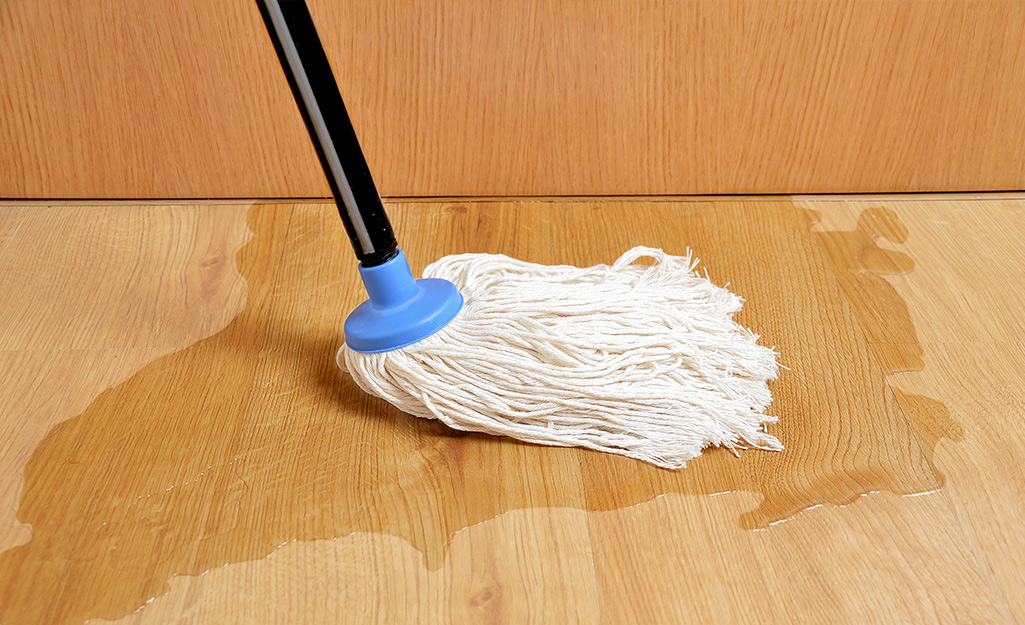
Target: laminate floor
point(177, 445)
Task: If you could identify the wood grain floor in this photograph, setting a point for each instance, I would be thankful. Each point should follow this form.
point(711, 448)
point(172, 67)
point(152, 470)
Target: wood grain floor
point(177, 446)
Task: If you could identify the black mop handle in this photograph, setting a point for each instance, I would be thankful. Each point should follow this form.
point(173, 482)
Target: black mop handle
point(309, 75)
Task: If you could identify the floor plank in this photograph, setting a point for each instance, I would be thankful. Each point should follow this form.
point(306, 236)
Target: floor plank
point(881, 559)
point(322, 460)
point(251, 439)
point(957, 264)
point(845, 438)
point(83, 276)
point(38, 390)
point(985, 481)
point(99, 489)
point(929, 282)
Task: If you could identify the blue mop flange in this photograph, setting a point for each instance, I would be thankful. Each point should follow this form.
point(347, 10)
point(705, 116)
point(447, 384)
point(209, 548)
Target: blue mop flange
point(401, 310)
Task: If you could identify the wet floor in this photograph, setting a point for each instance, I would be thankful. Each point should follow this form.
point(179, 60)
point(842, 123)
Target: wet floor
point(250, 439)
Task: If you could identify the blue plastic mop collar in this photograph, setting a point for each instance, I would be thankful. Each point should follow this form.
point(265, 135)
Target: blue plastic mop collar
point(401, 310)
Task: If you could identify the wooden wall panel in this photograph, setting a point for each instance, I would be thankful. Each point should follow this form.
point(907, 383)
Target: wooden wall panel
point(167, 98)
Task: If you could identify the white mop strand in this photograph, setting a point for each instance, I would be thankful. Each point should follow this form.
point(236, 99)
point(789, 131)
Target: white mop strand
point(634, 359)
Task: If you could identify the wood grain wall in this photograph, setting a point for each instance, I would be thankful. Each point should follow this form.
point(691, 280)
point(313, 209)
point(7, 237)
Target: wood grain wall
point(168, 98)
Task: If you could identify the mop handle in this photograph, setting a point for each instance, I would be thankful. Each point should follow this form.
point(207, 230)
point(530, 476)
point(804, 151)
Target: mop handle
point(316, 93)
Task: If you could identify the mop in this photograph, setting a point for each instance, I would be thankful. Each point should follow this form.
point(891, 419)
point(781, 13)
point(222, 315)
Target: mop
point(640, 358)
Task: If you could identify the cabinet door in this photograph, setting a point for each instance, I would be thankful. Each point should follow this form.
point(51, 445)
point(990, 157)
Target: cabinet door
point(176, 99)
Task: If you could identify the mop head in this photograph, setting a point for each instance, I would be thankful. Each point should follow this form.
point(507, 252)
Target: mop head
point(642, 360)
